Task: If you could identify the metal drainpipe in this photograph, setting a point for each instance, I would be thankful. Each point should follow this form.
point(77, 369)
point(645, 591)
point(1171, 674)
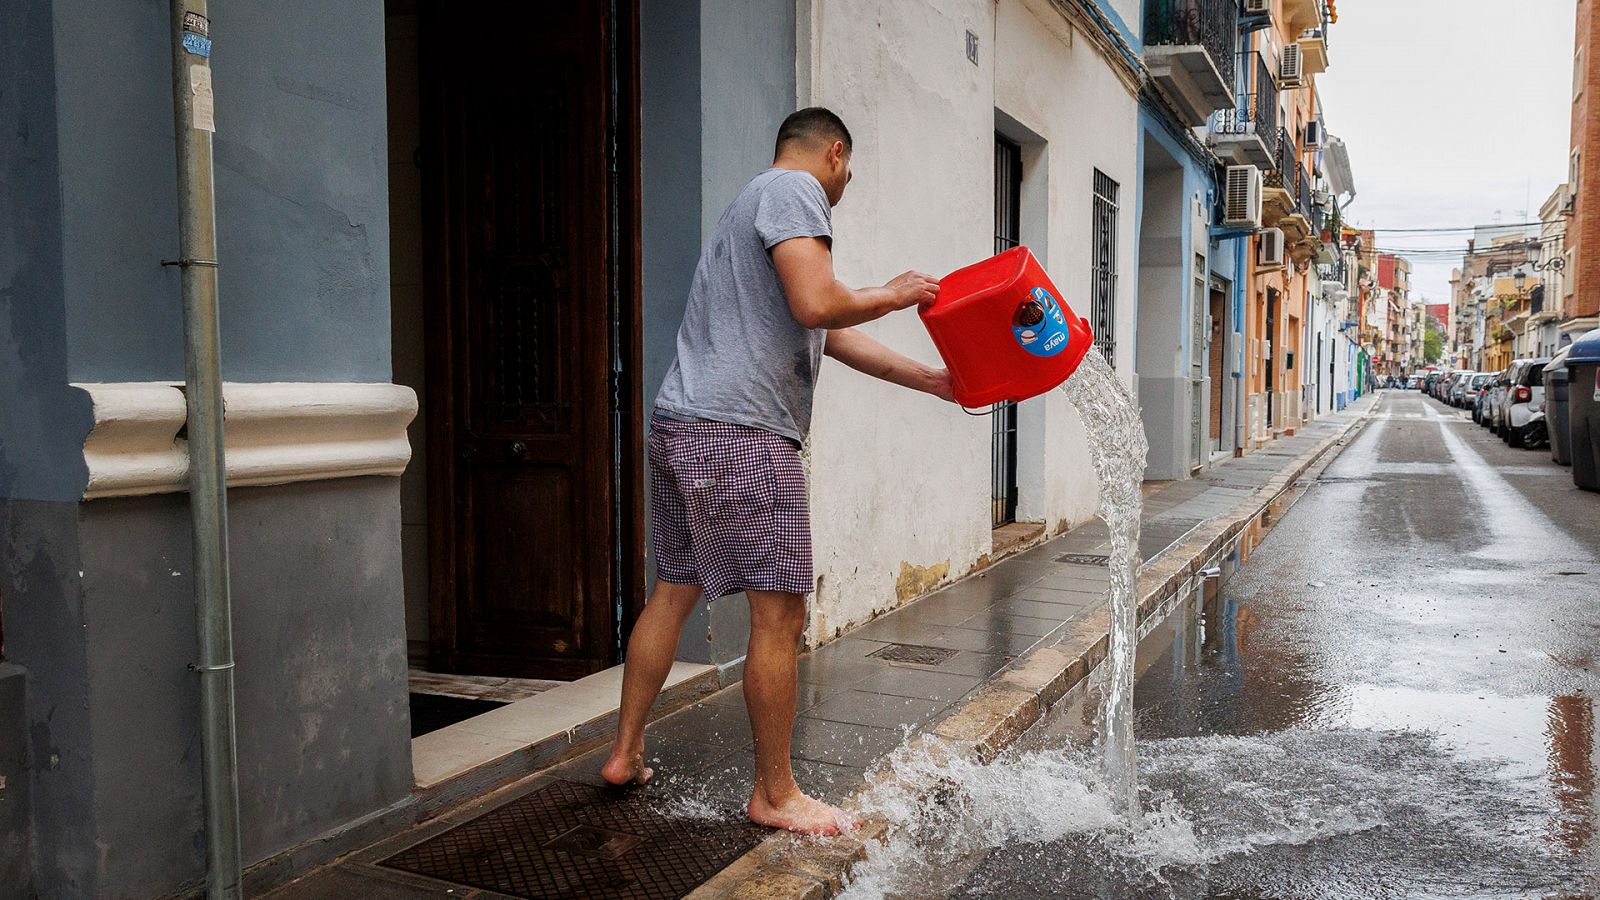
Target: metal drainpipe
point(193, 105)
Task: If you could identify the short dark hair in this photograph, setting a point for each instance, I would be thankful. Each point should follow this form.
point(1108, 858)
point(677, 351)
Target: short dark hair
point(811, 124)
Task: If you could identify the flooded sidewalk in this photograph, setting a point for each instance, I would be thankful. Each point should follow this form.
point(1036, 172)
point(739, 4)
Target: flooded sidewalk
point(932, 665)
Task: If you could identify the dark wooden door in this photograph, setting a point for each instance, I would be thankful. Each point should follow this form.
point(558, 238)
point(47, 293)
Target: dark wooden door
point(1215, 358)
point(1272, 350)
point(518, 125)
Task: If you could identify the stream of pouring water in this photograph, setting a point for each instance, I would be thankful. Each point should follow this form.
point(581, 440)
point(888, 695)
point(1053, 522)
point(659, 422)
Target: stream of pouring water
point(1117, 449)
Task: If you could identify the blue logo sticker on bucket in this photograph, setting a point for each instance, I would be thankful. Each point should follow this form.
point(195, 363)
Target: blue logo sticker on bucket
point(1039, 325)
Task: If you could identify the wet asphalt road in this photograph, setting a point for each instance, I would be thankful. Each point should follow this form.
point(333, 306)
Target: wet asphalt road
point(1394, 696)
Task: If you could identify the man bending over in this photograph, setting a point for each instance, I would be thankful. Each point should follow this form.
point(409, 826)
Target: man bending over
point(727, 488)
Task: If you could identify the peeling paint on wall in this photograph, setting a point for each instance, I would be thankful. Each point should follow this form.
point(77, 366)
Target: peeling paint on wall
point(914, 581)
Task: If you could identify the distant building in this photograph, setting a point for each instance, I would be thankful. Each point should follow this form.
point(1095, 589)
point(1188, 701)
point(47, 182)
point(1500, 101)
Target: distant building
point(1549, 296)
point(1487, 298)
point(1582, 256)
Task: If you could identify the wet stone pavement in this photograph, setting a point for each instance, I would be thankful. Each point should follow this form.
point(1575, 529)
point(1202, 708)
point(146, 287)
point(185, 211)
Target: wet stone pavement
point(1393, 697)
point(859, 699)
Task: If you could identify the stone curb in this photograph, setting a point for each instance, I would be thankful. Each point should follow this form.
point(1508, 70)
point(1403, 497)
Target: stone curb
point(786, 867)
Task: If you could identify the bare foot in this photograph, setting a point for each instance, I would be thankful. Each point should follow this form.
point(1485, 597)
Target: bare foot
point(801, 813)
point(626, 768)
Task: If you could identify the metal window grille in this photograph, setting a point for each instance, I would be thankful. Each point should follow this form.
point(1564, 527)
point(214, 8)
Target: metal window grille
point(1007, 234)
point(1103, 275)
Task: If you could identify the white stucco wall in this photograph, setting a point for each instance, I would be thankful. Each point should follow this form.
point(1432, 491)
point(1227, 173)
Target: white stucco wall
point(900, 482)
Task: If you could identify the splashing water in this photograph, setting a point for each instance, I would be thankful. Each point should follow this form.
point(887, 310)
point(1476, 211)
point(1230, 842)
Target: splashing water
point(1219, 809)
point(1117, 449)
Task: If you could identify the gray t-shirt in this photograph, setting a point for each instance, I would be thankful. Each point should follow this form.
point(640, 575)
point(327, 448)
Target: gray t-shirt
point(742, 357)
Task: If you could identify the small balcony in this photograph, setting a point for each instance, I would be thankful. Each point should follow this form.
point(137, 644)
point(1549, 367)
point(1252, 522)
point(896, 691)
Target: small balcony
point(1247, 133)
point(1314, 51)
point(1189, 51)
point(1279, 189)
point(1302, 14)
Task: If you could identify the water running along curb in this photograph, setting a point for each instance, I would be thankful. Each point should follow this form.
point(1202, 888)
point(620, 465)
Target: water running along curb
point(786, 867)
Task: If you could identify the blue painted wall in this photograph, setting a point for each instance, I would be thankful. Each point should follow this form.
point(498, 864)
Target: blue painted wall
point(42, 421)
point(98, 600)
point(301, 190)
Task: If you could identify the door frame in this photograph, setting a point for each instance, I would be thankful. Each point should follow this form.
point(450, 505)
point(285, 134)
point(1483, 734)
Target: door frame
point(624, 301)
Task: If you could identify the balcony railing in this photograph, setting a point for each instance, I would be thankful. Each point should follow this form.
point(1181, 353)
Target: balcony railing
point(1302, 191)
point(1257, 109)
point(1281, 175)
point(1211, 24)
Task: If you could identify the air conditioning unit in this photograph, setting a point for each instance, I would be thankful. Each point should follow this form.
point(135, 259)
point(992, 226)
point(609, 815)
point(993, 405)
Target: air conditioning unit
point(1316, 134)
point(1258, 7)
point(1270, 251)
point(1241, 197)
point(1291, 67)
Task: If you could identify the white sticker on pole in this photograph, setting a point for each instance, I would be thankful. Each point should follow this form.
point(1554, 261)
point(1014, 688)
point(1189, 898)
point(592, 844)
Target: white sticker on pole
point(202, 105)
point(1597, 385)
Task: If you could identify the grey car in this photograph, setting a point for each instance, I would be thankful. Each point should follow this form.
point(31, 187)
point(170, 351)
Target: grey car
point(1471, 389)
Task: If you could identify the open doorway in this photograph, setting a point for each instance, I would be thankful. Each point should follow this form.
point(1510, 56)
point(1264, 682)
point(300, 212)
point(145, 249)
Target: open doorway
point(1164, 353)
point(513, 196)
point(1007, 234)
point(1021, 216)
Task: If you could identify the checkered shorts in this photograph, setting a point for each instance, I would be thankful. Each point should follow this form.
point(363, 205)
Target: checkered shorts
point(728, 508)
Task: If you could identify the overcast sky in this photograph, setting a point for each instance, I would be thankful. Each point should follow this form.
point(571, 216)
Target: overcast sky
point(1453, 111)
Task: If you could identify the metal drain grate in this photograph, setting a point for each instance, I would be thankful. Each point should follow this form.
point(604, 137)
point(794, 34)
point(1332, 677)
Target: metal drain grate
point(580, 840)
point(1083, 559)
point(912, 653)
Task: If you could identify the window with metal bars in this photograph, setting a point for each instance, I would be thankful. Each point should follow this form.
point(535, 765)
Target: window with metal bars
point(1007, 234)
point(1103, 273)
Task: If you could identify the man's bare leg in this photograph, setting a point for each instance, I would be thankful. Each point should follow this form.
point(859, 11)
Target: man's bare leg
point(776, 620)
point(651, 649)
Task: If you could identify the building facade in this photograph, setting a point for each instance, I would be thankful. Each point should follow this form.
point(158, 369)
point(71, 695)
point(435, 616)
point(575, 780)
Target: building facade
point(1492, 297)
point(1293, 48)
point(1550, 298)
point(1583, 178)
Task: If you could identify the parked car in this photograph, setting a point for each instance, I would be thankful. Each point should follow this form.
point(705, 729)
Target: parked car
point(1522, 399)
point(1458, 389)
point(1489, 400)
point(1441, 390)
point(1470, 391)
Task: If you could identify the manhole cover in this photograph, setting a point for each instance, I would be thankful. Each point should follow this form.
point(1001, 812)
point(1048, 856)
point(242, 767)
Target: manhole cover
point(1083, 559)
point(580, 840)
point(911, 653)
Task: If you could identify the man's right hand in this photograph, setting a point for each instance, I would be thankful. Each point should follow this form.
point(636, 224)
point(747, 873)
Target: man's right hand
point(913, 288)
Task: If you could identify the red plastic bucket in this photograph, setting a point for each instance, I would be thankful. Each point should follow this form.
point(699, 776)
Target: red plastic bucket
point(1004, 330)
